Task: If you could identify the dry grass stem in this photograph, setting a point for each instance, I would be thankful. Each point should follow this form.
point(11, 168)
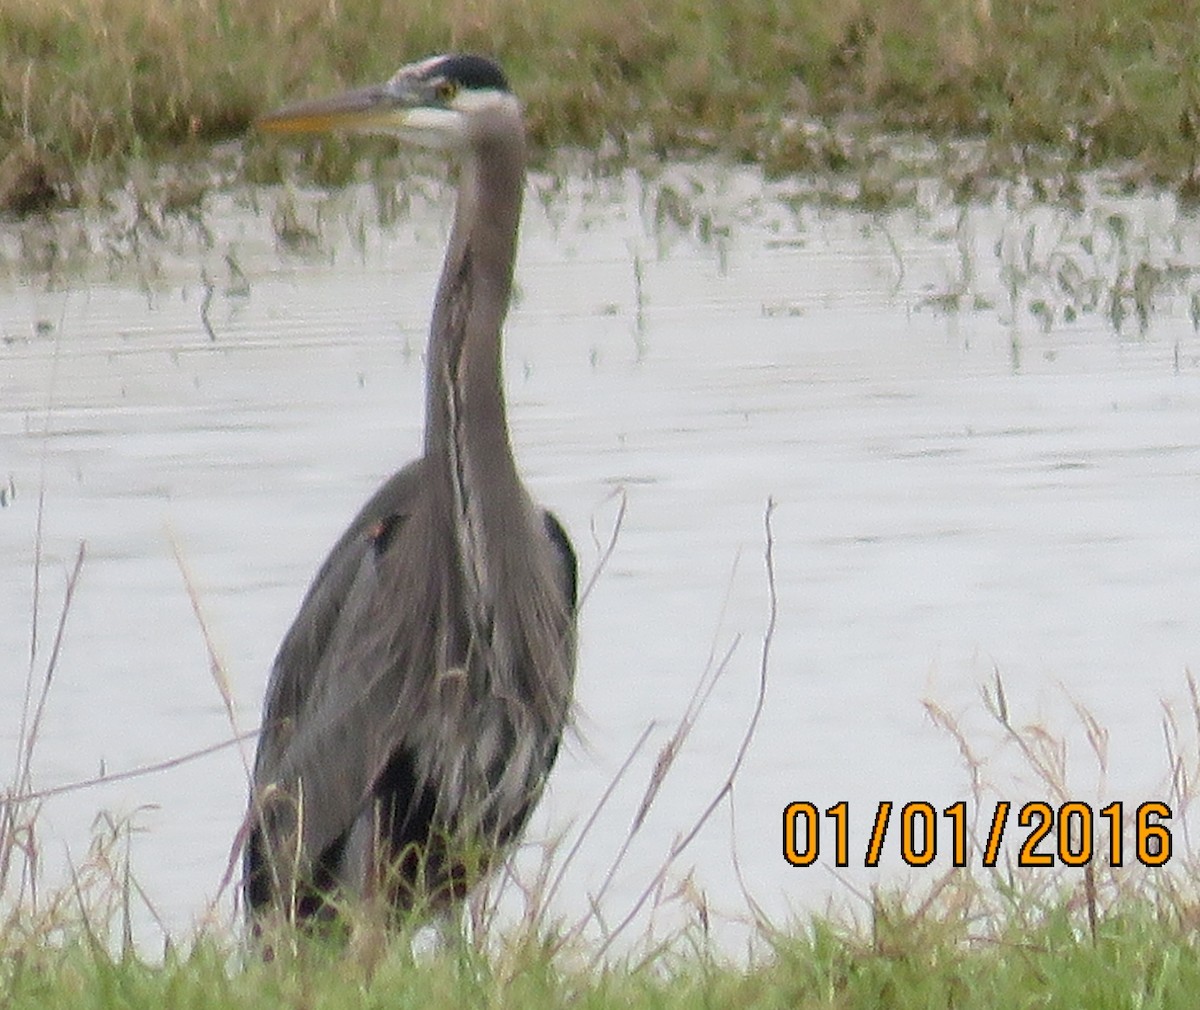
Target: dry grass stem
point(683, 841)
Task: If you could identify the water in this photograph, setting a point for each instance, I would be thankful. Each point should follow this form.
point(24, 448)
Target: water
point(980, 430)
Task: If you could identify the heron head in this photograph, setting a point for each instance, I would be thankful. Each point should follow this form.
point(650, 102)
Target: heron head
point(442, 102)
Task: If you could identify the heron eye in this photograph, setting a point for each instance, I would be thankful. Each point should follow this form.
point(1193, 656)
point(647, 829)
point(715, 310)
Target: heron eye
point(446, 90)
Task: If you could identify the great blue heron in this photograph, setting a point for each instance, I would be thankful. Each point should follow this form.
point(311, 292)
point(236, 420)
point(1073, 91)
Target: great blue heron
point(416, 704)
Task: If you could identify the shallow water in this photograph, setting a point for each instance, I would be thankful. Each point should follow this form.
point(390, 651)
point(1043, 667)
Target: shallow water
point(981, 459)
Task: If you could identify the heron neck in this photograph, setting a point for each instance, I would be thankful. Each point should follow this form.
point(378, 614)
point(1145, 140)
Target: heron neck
point(466, 429)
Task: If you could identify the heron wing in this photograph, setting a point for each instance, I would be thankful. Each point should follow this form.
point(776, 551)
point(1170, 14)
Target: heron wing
point(294, 674)
point(298, 679)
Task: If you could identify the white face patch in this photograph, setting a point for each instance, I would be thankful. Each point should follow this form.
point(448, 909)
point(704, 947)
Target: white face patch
point(440, 129)
point(448, 129)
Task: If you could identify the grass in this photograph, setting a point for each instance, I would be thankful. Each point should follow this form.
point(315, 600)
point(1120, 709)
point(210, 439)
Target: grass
point(797, 85)
point(1143, 956)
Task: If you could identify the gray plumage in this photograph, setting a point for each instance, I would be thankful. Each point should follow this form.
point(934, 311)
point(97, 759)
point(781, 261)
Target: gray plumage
point(416, 704)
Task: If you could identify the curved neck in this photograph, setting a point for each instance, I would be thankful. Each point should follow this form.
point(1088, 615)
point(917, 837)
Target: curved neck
point(466, 430)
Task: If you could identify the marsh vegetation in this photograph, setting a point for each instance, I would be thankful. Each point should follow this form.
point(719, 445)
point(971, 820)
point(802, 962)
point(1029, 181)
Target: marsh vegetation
point(89, 86)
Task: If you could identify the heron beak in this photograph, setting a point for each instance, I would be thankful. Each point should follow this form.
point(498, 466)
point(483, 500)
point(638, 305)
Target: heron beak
point(397, 108)
point(372, 109)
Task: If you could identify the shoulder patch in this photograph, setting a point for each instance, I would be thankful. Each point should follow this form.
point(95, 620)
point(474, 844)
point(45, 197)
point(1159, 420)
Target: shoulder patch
point(382, 531)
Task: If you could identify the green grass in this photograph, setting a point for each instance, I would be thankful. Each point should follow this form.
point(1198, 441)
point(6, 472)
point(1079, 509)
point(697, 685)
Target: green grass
point(1141, 957)
point(88, 83)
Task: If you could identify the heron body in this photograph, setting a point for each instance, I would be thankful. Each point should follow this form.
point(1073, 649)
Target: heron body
point(416, 704)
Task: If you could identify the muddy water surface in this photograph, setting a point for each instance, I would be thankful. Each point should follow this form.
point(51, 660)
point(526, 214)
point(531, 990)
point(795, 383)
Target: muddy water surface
point(980, 429)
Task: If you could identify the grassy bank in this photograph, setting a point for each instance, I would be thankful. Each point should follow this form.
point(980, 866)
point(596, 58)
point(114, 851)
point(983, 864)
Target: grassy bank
point(1140, 958)
point(95, 82)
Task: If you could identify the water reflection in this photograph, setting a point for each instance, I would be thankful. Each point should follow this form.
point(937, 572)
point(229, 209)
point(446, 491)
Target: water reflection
point(981, 426)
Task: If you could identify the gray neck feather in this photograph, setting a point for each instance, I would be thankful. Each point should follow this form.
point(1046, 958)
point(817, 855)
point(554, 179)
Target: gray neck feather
point(467, 449)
